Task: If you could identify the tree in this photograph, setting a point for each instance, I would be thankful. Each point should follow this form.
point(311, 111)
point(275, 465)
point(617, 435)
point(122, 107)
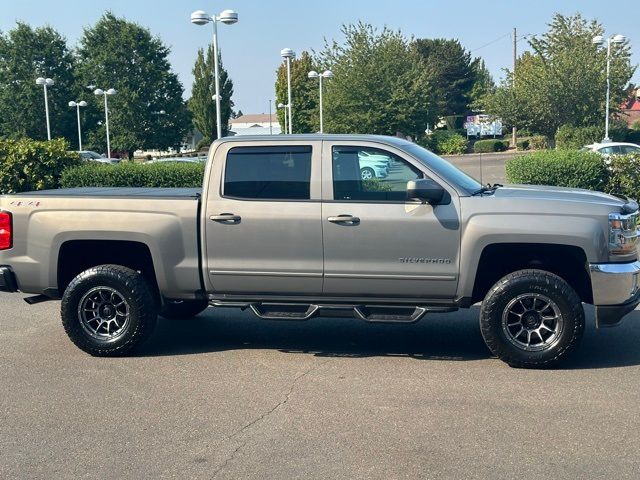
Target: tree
point(562, 81)
point(25, 54)
point(483, 84)
point(201, 103)
point(380, 84)
point(304, 95)
point(116, 53)
point(452, 72)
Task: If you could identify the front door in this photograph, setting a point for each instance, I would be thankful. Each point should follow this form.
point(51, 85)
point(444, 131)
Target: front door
point(376, 242)
point(263, 227)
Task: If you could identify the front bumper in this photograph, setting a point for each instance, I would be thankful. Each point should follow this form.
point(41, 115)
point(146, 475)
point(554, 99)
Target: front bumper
point(7, 280)
point(616, 291)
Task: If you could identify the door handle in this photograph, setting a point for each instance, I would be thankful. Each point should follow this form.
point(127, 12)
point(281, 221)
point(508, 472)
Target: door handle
point(226, 218)
point(348, 219)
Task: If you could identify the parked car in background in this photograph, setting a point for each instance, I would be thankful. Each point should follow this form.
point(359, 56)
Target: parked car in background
point(613, 148)
point(96, 157)
point(178, 160)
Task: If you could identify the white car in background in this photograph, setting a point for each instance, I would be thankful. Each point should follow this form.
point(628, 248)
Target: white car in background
point(90, 156)
point(613, 148)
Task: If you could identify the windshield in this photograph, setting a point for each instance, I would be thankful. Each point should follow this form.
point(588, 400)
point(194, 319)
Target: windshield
point(90, 155)
point(443, 168)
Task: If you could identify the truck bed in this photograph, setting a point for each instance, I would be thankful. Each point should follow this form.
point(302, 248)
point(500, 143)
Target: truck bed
point(164, 193)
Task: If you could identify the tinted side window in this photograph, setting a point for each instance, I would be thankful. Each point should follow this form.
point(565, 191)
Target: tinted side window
point(629, 149)
point(282, 173)
point(362, 173)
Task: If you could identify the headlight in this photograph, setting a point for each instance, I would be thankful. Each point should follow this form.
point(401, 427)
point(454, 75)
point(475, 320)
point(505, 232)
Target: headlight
point(623, 233)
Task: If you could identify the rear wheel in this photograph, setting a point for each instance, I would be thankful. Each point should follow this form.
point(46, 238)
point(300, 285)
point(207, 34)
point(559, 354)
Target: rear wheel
point(183, 308)
point(108, 310)
point(531, 319)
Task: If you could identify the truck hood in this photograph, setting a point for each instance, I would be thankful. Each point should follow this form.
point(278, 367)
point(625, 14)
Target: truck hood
point(541, 192)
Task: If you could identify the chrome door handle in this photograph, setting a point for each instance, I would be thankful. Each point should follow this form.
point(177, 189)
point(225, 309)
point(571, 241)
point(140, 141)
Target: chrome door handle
point(226, 218)
point(348, 219)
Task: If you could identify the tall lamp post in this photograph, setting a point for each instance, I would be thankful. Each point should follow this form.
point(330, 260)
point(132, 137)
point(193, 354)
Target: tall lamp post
point(288, 55)
point(46, 82)
point(105, 94)
point(282, 105)
point(326, 74)
point(599, 41)
point(228, 17)
point(79, 104)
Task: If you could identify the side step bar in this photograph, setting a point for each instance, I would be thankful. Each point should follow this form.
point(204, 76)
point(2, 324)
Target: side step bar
point(305, 311)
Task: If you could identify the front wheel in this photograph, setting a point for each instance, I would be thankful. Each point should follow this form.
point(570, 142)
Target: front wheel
point(531, 319)
point(109, 310)
point(367, 173)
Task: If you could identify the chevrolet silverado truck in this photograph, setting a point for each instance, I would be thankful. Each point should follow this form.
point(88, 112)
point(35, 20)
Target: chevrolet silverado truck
point(287, 227)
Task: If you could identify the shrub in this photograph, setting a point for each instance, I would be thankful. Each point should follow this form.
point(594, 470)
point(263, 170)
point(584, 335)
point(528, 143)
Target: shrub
point(538, 142)
point(490, 145)
point(522, 144)
point(625, 175)
point(563, 168)
point(635, 125)
point(570, 137)
point(445, 141)
point(130, 174)
point(27, 164)
point(454, 144)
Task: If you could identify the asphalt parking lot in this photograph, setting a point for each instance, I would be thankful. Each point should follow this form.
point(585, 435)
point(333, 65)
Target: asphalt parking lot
point(230, 396)
point(484, 167)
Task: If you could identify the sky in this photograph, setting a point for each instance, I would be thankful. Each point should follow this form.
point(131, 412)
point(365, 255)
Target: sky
point(251, 48)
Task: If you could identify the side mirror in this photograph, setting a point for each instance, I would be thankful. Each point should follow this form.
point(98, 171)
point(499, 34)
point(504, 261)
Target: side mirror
point(426, 190)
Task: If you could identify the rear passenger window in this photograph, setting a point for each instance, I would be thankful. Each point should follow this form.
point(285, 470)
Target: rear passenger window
point(282, 173)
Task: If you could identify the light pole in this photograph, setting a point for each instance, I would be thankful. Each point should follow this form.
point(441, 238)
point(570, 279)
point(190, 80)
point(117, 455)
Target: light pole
point(282, 105)
point(228, 17)
point(288, 54)
point(98, 92)
point(326, 74)
point(79, 104)
point(46, 82)
point(599, 40)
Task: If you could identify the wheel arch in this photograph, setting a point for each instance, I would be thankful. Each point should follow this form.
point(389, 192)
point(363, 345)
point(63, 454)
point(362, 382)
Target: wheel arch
point(569, 262)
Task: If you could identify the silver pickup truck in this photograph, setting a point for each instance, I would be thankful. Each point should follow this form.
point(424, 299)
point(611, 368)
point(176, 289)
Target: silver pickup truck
point(293, 227)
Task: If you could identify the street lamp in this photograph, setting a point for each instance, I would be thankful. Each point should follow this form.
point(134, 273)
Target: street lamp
point(282, 105)
point(288, 55)
point(98, 92)
point(599, 41)
point(326, 74)
point(228, 17)
point(46, 82)
point(79, 104)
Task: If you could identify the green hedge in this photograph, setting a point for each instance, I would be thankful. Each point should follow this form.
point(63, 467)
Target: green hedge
point(522, 144)
point(128, 174)
point(538, 142)
point(625, 175)
point(447, 142)
point(569, 136)
point(27, 164)
point(563, 168)
point(490, 145)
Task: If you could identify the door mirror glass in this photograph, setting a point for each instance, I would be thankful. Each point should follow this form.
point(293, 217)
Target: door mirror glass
point(426, 190)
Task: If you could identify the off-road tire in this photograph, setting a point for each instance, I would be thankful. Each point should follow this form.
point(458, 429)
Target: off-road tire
point(525, 282)
point(132, 287)
point(174, 309)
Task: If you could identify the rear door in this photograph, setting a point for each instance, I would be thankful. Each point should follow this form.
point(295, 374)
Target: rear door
point(376, 242)
point(263, 228)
